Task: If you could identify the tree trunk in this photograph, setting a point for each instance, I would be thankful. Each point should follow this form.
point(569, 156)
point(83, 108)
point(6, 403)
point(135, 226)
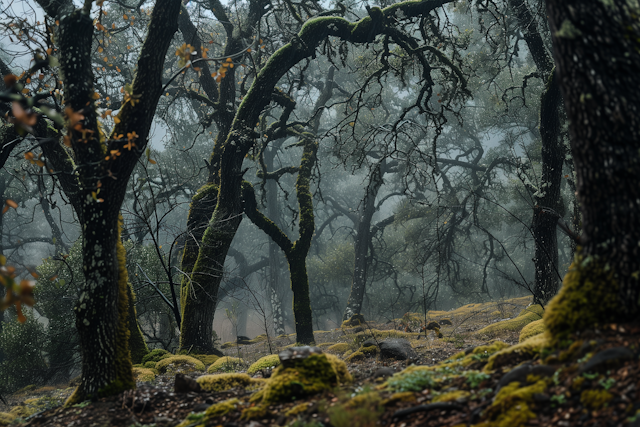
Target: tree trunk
point(301, 301)
point(544, 227)
point(363, 240)
point(598, 62)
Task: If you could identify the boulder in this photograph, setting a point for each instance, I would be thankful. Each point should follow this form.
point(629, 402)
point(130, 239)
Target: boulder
point(397, 348)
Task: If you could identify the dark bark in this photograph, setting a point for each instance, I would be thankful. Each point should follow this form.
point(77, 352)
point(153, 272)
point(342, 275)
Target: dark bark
point(363, 241)
point(548, 195)
point(598, 64)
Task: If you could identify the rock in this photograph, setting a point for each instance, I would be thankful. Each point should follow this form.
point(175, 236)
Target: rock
point(163, 421)
point(606, 359)
point(383, 372)
point(370, 342)
point(201, 407)
point(397, 348)
point(185, 384)
point(295, 353)
point(432, 326)
point(243, 340)
point(446, 322)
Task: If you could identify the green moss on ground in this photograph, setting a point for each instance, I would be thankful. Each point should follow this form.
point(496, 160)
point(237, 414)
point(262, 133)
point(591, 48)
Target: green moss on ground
point(156, 355)
point(221, 382)
point(179, 363)
point(528, 315)
point(144, 374)
point(532, 329)
point(225, 364)
point(266, 362)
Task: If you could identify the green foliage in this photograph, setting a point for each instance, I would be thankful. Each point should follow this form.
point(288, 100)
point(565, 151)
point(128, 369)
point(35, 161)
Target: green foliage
point(156, 355)
point(21, 347)
point(474, 378)
point(416, 380)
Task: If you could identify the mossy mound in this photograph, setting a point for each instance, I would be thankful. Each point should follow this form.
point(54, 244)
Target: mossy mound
point(355, 320)
point(33, 405)
point(267, 362)
point(156, 355)
point(6, 418)
point(180, 363)
point(144, 374)
point(528, 315)
point(532, 329)
point(452, 396)
point(219, 409)
point(150, 365)
point(511, 406)
point(226, 364)
point(588, 298)
point(356, 356)
point(221, 382)
point(207, 359)
point(518, 353)
point(323, 344)
point(338, 348)
point(301, 377)
point(482, 353)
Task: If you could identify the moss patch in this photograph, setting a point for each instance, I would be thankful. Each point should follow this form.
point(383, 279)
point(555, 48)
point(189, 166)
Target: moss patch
point(216, 410)
point(226, 363)
point(144, 374)
point(156, 355)
point(518, 353)
point(588, 298)
point(221, 382)
point(340, 348)
point(181, 363)
point(6, 418)
point(532, 329)
point(207, 359)
point(528, 315)
point(595, 399)
point(452, 396)
point(266, 362)
point(511, 406)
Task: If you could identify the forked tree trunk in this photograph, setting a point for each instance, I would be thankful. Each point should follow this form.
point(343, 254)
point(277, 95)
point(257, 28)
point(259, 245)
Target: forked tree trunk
point(598, 62)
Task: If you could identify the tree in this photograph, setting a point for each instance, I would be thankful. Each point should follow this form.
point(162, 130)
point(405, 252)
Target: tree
point(93, 170)
point(597, 56)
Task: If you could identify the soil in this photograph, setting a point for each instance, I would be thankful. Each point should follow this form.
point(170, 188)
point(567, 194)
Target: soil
point(561, 404)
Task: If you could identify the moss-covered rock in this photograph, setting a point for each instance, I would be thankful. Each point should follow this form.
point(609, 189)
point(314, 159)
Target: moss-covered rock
point(588, 298)
point(267, 362)
point(221, 382)
point(528, 315)
point(150, 365)
point(532, 329)
point(156, 355)
point(518, 353)
point(301, 377)
point(512, 405)
point(370, 351)
point(356, 356)
point(225, 364)
point(144, 374)
point(180, 363)
point(355, 320)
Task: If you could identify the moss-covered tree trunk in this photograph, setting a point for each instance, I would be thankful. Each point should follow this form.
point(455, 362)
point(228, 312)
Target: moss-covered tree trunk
point(227, 215)
point(84, 168)
point(295, 252)
point(597, 52)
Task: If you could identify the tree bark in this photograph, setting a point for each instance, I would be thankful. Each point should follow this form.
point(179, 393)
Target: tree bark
point(598, 64)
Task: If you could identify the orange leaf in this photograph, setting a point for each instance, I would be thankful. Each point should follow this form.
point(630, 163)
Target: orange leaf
point(11, 203)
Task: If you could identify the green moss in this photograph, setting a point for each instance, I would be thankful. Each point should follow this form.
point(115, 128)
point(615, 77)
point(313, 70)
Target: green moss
point(355, 320)
point(518, 353)
point(369, 351)
point(406, 396)
point(33, 405)
point(207, 359)
point(340, 348)
point(298, 409)
point(452, 396)
point(528, 315)
point(266, 362)
point(356, 356)
point(511, 406)
point(221, 382)
point(149, 365)
point(144, 374)
point(588, 298)
point(216, 410)
point(226, 363)
point(6, 418)
point(532, 329)
point(180, 362)
point(595, 399)
point(303, 377)
point(156, 355)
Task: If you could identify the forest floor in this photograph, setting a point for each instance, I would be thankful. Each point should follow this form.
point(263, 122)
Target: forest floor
point(594, 381)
